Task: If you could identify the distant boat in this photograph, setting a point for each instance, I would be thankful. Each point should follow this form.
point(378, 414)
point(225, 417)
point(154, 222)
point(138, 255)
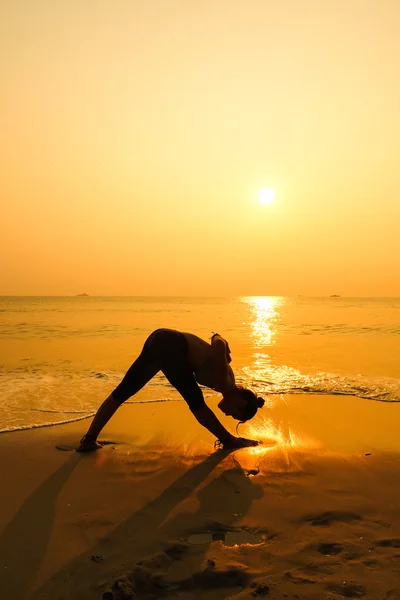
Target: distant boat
point(84, 294)
point(334, 296)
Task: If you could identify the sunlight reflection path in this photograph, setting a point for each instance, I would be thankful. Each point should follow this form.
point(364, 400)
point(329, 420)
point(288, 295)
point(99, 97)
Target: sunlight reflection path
point(273, 428)
point(263, 320)
point(264, 315)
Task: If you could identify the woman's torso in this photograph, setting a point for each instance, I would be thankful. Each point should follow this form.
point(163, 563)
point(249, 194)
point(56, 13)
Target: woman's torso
point(200, 356)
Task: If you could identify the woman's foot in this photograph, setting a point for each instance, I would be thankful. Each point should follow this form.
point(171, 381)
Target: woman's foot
point(88, 444)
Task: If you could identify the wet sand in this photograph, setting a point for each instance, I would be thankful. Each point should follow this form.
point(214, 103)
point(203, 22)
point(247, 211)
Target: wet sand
point(314, 512)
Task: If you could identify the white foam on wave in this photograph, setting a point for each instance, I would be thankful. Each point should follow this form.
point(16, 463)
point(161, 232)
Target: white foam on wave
point(273, 379)
point(31, 400)
point(75, 419)
point(38, 425)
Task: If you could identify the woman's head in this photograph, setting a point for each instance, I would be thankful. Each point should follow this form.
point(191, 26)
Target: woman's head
point(241, 404)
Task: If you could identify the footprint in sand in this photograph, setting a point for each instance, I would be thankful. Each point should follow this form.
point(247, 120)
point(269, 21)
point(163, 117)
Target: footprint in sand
point(327, 518)
point(298, 579)
point(329, 549)
point(389, 543)
point(150, 578)
point(228, 538)
point(392, 594)
point(347, 589)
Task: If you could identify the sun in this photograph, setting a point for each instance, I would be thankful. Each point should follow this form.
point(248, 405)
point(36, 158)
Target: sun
point(266, 196)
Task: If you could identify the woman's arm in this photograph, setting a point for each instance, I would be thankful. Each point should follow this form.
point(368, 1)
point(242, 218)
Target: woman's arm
point(223, 376)
point(207, 418)
point(218, 340)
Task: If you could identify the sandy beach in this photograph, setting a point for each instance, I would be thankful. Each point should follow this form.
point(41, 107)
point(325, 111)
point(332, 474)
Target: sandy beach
point(314, 512)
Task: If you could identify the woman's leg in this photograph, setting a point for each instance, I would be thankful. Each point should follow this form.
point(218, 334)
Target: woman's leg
point(139, 373)
point(181, 376)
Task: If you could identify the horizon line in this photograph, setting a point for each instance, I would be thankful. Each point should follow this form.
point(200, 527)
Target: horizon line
point(195, 296)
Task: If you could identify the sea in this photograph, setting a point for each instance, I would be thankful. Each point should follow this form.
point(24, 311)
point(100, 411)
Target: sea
point(60, 357)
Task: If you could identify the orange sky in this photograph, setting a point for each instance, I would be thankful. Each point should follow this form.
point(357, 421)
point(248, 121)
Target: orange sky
point(136, 136)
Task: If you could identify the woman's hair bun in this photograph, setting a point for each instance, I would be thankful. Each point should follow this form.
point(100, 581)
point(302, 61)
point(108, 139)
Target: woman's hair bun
point(260, 402)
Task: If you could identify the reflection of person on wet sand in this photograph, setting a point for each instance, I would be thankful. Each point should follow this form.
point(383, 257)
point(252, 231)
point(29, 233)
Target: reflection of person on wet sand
point(186, 361)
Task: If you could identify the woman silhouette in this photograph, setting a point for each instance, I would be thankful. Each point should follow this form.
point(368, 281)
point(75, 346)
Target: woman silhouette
point(186, 361)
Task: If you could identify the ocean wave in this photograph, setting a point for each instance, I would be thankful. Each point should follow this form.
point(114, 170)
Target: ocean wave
point(38, 399)
point(270, 379)
point(33, 397)
point(13, 428)
point(39, 425)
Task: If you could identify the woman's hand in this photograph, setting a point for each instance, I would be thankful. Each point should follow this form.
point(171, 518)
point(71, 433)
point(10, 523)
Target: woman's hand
point(238, 442)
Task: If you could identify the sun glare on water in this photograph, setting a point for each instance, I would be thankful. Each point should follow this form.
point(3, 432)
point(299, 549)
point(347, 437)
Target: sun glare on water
point(266, 196)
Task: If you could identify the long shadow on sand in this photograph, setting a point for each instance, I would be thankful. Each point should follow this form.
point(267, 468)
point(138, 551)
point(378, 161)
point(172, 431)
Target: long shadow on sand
point(139, 529)
point(24, 540)
point(223, 502)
